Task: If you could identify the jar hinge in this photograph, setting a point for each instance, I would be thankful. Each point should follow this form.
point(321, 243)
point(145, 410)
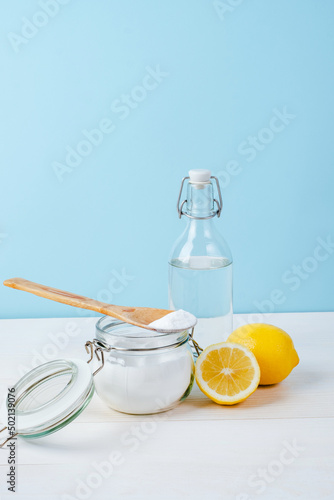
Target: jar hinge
point(95, 348)
point(194, 344)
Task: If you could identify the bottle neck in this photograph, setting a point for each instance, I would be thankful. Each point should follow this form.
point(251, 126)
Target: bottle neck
point(201, 228)
point(200, 203)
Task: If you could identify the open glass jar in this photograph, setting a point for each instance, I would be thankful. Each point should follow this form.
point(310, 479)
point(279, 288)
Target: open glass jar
point(140, 371)
point(144, 371)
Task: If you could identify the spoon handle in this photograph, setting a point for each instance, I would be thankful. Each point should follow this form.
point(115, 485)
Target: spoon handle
point(61, 296)
point(139, 316)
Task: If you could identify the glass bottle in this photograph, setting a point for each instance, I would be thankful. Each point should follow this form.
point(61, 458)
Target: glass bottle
point(200, 264)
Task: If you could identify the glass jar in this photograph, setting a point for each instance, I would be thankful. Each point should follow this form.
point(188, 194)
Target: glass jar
point(140, 371)
point(144, 371)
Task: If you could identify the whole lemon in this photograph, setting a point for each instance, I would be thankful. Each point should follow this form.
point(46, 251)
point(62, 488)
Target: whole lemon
point(272, 347)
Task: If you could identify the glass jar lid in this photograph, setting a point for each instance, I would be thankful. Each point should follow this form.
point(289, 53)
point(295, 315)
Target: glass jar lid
point(116, 334)
point(50, 396)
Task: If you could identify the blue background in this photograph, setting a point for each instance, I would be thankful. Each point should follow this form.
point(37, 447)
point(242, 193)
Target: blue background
point(228, 69)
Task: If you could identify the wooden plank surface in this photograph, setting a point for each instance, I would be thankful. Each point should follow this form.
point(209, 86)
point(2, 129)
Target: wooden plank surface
point(198, 449)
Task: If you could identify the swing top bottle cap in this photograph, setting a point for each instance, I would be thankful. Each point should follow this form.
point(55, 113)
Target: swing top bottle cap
point(199, 175)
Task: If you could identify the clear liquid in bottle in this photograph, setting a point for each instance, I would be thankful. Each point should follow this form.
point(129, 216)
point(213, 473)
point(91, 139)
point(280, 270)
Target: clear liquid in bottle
point(204, 287)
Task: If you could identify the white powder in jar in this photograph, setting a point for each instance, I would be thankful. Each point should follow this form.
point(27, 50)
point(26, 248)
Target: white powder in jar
point(145, 372)
point(175, 321)
point(145, 383)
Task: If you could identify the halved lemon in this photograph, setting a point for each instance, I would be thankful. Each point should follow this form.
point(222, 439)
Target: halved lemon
point(227, 373)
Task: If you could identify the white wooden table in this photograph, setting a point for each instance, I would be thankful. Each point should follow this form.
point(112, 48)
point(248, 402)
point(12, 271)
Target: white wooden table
point(278, 444)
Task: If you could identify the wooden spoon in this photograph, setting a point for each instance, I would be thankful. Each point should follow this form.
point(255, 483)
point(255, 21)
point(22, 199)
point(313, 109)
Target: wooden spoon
point(139, 316)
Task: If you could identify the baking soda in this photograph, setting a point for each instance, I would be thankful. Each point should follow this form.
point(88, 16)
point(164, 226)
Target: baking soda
point(174, 321)
point(140, 383)
point(145, 371)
